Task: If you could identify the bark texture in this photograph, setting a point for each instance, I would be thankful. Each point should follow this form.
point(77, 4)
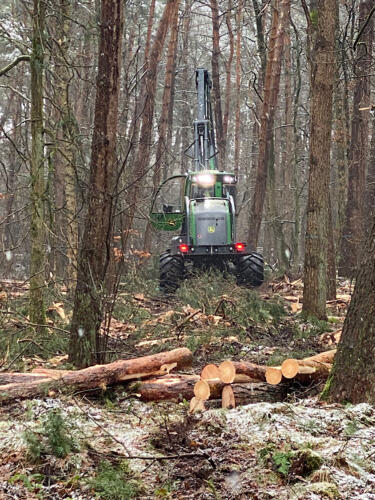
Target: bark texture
point(37, 232)
point(237, 131)
point(353, 373)
point(316, 239)
point(353, 231)
point(94, 377)
point(66, 226)
point(179, 387)
point(228, 71)
point(90, 295)
point(144, 149)
point(271, 92)
point(164, 122)
point(216, 81)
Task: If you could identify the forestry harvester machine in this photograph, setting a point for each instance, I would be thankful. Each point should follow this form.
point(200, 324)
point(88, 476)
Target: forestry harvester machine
point(201, 205)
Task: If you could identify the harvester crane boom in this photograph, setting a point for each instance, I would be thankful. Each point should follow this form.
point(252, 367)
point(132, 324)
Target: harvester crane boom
point(204, 133)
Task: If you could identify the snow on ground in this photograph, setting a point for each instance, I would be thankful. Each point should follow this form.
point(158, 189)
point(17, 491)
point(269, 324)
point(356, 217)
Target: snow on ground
point(239, 443)
point(343, 436)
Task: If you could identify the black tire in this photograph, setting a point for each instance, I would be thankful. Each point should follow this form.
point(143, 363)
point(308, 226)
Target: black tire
point(171, 271)
point(250, 270)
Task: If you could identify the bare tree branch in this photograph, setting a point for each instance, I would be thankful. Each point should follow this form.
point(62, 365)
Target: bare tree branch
point(363, 28)
point(14, 63)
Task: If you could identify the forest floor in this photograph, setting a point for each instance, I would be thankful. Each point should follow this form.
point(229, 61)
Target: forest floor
point(77, 446)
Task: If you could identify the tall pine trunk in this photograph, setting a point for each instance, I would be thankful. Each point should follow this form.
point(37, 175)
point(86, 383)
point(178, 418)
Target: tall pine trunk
point(271, 92)
point(94, 256)
point(162, 149)
point(353, 374)
point(238, 89)
point(322, 79)
point(216, 82)
point(37, 231)
point(353, 231)
point(144, 149)
point(66, 229)
point(228, 70)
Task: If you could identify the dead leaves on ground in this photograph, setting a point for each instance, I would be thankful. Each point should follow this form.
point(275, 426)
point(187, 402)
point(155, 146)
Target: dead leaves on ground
point(292, 292)
point(189, 315)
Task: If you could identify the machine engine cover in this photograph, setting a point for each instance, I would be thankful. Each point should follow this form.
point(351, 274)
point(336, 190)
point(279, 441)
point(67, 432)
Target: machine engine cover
point(210, 222)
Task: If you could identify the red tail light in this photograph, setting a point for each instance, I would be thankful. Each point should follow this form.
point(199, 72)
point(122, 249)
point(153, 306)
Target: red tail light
point(183, 248)
point(240, 247)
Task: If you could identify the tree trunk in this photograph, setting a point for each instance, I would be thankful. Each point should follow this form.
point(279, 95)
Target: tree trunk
point(66, 228)
point(133, 130)
point(162, 151)
point(353, 374)
point(316, 240)
point(228, 70)
point(238, 89)
point(37, 231)
point(331, 253)
point(216, 82)
point(296, 180)
point(341, 137)
point(370, 188)
point(94, 257)
point(353, 232)
point(271, 92)
point(287, 153)
point(260, 38)
point(185, 113)
point(144, 149)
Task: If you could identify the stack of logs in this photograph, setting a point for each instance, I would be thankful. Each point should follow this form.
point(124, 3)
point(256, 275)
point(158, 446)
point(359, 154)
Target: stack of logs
point(238, 381)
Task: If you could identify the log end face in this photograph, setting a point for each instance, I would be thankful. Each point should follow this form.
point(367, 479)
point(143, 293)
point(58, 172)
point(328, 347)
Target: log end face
point(227, 372)
point(289, 368)
point(273, 375)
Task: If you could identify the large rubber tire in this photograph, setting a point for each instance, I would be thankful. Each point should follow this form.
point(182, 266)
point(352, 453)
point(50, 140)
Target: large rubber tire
point(171, 272)
point(250, 270)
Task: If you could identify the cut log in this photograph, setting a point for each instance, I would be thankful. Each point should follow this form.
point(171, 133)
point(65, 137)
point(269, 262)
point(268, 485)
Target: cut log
point(323, 357)
point(256, 372)
point(331, 338)
point(202, 390)
point(99, 376)
point(181, 387)
point(305, 371)
point(312, 368)
point(50, 372)
point(227, 372)
point(240, 378)
point(291, 367)
point(196, 405)
point(227, 397)
point(274, 375)
point(14, 378)
point(210, 371)
point(145, 344)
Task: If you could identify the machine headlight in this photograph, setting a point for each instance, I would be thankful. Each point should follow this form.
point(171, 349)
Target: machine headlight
point(205, 180)
point(228, 179)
